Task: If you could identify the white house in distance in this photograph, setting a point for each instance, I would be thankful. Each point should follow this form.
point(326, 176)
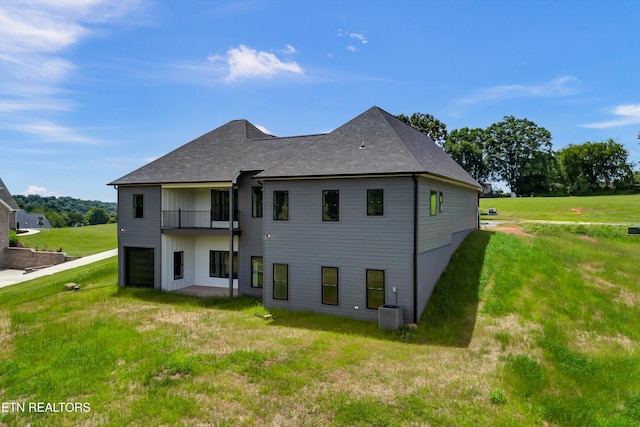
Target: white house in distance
point(338, 223)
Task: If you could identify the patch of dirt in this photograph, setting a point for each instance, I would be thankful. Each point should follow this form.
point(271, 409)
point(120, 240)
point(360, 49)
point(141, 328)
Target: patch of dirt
point(515, 230)
point(6, 337)
point(587, 239)
point(590, 341)
point(577, 211)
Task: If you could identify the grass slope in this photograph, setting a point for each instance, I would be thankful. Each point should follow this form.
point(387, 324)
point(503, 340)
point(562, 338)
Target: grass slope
point(75, 241)
point(609, 209)
point(542, 330)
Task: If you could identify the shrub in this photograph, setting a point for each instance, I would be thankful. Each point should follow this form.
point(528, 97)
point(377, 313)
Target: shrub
point(13, 238)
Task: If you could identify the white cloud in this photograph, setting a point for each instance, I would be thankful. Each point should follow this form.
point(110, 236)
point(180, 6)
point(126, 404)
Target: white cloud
point(39, 191)
point(561, 86)
point(289, 50)
point(356, 36)
point(35, 36)
point(628, 114)
point(52, 132)
point(245, 62)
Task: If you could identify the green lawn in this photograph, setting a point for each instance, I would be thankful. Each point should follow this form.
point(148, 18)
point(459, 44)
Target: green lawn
point(610, 209)
point(528, 331)
point(75, 241)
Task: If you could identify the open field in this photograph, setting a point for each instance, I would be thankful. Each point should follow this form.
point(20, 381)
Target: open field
point(75, 241)
point(609, 209)
point(521, 330)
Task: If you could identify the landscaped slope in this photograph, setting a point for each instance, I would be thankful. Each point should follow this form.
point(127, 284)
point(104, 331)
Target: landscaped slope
point(521, 330)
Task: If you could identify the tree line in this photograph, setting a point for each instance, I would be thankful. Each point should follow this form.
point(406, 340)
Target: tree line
point(67, 211)
point(520, 153)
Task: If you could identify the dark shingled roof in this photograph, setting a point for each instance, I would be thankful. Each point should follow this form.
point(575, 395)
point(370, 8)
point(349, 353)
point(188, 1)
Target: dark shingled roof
point(6, 197)
point(373, 143)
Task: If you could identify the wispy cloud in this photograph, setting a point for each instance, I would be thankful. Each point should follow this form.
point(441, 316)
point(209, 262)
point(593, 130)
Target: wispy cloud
point(35, 37)
point(51, 132)
point(246, 63)
point(628, 114)
point(561, 86)
point(356, 36)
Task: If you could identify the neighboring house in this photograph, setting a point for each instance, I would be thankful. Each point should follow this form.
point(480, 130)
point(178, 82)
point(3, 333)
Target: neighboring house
point(32, 220)
point(8, 209)
point(338, 223)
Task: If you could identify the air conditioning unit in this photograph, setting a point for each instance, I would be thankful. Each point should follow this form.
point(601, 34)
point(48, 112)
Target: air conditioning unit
point(390, 317)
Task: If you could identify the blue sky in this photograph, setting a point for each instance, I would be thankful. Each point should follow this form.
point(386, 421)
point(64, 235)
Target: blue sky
point(91, 90)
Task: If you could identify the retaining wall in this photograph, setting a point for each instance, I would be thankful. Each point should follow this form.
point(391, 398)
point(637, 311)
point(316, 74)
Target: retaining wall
point(25, 258)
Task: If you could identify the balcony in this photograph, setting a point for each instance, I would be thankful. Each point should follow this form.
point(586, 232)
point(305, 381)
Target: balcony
point(187, 222)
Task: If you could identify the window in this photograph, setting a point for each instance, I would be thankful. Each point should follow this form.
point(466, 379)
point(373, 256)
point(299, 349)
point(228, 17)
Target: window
point(375, 288)
point(256, 271)
point(178, 265)
point(219, 264)
point(330, 285)
point(138, 206)
point(281, 281)
point(256, 202)
point(281, 206)
point(441, 201)
point(331, 205)
point(375, 202)
point(220, 205)
point(434, 203)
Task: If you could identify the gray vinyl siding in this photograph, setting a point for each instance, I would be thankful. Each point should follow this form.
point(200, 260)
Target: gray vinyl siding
point(251, 237)
point(440, 235)
point(139, 232)
point(355, 243)
point(430, 266)
point(460, 212)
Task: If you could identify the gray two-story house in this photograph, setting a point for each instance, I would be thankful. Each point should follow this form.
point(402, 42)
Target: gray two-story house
point(338, 223)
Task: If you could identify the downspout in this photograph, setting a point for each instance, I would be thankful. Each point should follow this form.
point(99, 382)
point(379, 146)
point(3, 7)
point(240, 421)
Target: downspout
point(415, 248)
point(234, 181)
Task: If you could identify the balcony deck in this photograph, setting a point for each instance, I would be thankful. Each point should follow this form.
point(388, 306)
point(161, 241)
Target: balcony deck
point(195, 222)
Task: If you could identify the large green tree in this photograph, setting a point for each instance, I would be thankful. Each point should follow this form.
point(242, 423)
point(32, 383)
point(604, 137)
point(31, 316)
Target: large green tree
point(518, 152)
point(97, 216)
point(467, 147)
point(427, 124)
point(592, 165)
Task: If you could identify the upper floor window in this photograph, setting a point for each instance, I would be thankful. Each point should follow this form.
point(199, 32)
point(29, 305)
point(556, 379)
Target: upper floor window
point(138, 206)
point(256, 202)
point(331, 205)
point(434, 203)
point(375, 202)
point(441, 201)
point(280, 205)
point(220, 205)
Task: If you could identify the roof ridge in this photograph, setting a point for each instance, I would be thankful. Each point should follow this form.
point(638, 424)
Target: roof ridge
point(386, 116)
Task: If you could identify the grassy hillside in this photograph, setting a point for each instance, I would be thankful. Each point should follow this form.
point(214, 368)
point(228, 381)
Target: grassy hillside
point(611, 209)
point(75, 241)
point(521, 330)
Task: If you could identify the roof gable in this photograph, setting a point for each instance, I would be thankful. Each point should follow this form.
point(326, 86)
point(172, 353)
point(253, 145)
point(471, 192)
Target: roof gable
point(7, 198)
point(373, 143)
